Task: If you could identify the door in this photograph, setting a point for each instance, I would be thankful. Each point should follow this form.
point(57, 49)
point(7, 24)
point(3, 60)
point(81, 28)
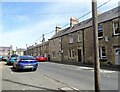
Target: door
point(79, 55)
point(117, 56)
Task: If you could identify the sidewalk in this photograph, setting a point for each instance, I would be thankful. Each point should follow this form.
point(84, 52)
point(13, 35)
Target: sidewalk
point(107, 67)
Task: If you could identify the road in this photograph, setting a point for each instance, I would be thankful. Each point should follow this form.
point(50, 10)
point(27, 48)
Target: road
point(54, 76)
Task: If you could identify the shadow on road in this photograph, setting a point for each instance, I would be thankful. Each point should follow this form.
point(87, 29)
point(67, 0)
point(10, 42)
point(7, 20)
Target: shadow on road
point(38, 88)
point(21, 71)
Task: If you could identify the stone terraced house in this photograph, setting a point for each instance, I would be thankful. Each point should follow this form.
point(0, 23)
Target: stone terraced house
point(75, 43)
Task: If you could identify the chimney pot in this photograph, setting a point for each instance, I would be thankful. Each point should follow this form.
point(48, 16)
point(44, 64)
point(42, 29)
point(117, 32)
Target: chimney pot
point(73, 21)
point(57, 29)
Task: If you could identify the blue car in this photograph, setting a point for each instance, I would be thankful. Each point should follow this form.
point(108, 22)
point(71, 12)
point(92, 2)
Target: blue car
point(12, 59)
point(25, 62)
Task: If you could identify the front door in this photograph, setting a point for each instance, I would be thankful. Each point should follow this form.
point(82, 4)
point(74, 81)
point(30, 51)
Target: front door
point(79, 55)
point(117, 56)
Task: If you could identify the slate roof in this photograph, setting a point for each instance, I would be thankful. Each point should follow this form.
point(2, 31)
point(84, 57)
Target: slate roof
point(60, 33)
point(106, 16)
point(45, 43)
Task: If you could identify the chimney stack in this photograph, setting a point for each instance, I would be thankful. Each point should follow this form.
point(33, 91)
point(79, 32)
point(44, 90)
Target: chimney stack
point(73, 21)
point(57, 29)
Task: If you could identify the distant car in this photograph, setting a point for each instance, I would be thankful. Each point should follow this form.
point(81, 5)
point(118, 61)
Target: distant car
point(4, 58)
point(40, 58)
point(12, 59)
point(0, 57)
point(25, 62)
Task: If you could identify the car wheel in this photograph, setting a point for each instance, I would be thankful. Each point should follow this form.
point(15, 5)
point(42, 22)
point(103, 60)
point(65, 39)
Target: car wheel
point(16, 68)
point(8, 63)
point(13, 67)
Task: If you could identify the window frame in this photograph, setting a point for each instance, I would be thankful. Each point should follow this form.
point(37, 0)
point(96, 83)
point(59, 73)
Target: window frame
point(71, 38)
point(114, 29)
point(71, 53)
point(79, 37)
point(101, 56)
point(100, 25)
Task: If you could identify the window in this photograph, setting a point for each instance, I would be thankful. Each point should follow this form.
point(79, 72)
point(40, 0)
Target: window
point(79, 37)
point(100, 31)
point(26, 58)
point(116, 28)
point(102, 52)
point(71, 53)
point(71, 38)
point(117, 52)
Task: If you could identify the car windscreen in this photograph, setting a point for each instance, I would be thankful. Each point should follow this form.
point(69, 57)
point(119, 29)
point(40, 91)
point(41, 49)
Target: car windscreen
point(27, 58)
point(14, 55)
point(13, 58)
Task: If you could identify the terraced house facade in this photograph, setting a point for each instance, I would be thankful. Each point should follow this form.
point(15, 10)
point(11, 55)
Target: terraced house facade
point(38, 49)
point(77, 40)
point(75, 43)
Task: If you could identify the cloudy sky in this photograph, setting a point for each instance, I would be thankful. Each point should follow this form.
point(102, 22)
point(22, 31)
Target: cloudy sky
point(24, 22)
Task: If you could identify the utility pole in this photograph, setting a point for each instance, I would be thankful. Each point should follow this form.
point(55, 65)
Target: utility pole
point(43, 40)
point(26, 50)
point(96, 48)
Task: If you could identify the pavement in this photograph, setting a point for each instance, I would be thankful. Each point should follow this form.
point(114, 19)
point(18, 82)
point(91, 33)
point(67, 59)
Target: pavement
point(107, 67)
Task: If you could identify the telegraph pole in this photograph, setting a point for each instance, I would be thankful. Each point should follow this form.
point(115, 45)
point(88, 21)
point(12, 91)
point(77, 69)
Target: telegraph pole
point(26, 50)
point(96, 48)
point(43, 40)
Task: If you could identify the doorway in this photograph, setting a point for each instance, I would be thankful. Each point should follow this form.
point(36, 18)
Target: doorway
point(79, 55)
point(117, 56)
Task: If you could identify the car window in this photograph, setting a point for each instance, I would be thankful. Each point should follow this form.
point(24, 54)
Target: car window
point(27, 58)
point(14, 55)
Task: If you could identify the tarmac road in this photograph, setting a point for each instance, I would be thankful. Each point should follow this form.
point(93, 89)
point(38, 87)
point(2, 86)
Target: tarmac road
point(53, 76)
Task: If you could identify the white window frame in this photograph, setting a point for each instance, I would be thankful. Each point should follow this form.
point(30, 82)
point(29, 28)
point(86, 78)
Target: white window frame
point(71, 38)
point(101, 53)
point(100, 31)
point(79, 37)
point(71, 53)
point(116, 27)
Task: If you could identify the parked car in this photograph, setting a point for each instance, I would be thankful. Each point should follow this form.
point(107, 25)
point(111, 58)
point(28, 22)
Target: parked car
point(4, 58)
point(40, 58)
point(12, 59)
point(0, 57)
point(25, 62)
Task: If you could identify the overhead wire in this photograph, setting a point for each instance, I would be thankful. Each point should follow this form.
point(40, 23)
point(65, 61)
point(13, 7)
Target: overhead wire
point(79, 17)
point(89, 12)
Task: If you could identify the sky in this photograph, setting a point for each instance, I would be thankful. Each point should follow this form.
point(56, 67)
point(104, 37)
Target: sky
point(24, 21)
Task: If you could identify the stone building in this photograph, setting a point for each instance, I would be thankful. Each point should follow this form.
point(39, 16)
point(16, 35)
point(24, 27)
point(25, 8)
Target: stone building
point(76, 42)
point(38, 49)
point(20, 51)
point(6, 51)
